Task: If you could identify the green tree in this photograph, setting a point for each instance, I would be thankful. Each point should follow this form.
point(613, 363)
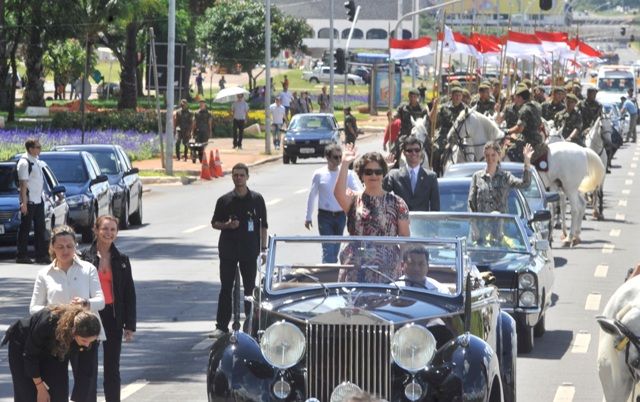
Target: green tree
point(65, 59)
point(12, 14)
point(234, 31)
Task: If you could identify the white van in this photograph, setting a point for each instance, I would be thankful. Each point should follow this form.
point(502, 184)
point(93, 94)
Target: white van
point(613, 82)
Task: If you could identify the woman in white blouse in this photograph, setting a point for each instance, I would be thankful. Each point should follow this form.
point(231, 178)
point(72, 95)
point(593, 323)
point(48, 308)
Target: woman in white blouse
point(69, 280)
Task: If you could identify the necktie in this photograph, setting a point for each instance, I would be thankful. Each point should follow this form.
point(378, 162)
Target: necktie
point(414, 180)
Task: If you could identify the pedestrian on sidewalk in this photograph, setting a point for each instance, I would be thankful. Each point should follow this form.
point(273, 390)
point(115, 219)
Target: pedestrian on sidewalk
point(54, 285)
point(294, 106)
point(40, 347)
point(241, 217)
point(240, 112)
point(182, 123)
point(202, 128)
point(278, 119)
point(350, 127)
point(331, 217)
point(221, 83)
point(305, 105)
point(630, 107)
point(286, 98)
point(119, 314)
point(324, 101)
point(31, 187)
point(199, 84)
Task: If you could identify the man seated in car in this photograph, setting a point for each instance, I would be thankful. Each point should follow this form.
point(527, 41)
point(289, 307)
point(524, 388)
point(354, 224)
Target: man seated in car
point(415, 268)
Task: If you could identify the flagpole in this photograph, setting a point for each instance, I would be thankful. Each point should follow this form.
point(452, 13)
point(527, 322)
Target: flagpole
point(436, 84)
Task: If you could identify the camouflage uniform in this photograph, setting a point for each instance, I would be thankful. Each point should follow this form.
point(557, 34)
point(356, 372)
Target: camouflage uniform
point(406, 112)
point(570, 120)
point(446, 117)
point(590, 110)
point(530, 117)
point(511, 115)
point(484, 106)
point(184, 122)
point(550, 110)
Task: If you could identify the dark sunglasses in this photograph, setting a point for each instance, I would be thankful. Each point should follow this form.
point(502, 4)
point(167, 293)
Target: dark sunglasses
point(412, 150)
point(371, 172)
point(336, 157)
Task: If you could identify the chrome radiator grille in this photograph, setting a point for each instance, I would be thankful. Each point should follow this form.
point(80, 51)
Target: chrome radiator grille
point(359, 354)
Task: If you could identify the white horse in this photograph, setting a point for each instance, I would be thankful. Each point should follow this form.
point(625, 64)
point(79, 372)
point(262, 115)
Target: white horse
point(421, 132)
point(597, 137)
point(619, 346)
point(575, 170)
point(469, 133)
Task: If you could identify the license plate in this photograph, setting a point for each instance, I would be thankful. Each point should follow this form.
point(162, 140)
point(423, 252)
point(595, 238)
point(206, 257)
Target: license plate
point(1, 229)
point(307, 150)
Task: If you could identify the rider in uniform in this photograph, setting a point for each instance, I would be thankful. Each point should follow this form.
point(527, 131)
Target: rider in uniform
point(571, 121)
point(590, 108)
point(527, 129)
point(555, 105)
point(406, 112)
point(446, 116)
point(496, 92)
point(484, 103)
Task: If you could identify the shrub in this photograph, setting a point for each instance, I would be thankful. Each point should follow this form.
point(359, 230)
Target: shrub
point(142, 122)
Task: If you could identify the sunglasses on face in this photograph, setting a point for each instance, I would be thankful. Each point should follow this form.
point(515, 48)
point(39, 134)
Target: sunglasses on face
point(412, 150)
point(371, 172)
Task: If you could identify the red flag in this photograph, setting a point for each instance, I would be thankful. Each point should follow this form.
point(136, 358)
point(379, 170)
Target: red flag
point(409, 48)
point(523, 46)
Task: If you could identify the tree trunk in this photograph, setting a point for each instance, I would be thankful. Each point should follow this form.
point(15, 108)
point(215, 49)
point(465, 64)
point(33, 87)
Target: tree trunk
point(11, 116)
point(4, 61)
point(34, 91)
point(128, 75)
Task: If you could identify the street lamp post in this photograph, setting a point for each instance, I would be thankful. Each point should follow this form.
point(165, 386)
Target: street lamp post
point(267, 77)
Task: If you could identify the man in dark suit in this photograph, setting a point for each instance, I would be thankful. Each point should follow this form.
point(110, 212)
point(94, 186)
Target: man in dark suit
point(416, 186)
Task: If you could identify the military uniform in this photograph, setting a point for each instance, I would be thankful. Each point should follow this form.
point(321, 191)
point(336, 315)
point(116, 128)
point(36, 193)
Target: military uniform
point(550, 109)
point(184, 123)
point(202, 126)
point(511, 115)
point(589, 110)
point(446, 117)
point(569, 121)
point(530, 117)
point(406, 112)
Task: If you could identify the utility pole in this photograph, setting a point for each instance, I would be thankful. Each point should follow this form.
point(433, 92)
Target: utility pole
point(267, 76)
point(331, 74)
point(171, 45)
point(416, 34)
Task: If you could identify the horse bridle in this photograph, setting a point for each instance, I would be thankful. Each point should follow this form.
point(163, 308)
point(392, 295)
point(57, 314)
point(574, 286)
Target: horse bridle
point(601, 135)
point(625, 343)
point(457, 128)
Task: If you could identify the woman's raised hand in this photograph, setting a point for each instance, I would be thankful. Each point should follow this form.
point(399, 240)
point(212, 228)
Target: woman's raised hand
point(349, 154)
point(527, 153)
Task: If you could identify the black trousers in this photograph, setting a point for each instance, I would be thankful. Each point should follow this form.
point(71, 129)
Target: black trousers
point(52, 371)
point(85, 374)
point(185, 144)
point(35, 214)
point(248, 269)
point(111, 349)
point(238, 132)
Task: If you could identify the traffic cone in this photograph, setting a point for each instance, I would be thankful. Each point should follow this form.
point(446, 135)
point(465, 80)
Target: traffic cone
point(205, 173)
point(212, 167)
point(217, 165)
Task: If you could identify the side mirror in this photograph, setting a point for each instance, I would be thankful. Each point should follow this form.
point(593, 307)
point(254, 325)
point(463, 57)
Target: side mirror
point(542, 245)
point(541, 216)
point(340, 128)
point(100, 179)
point(552, 196)
point(134, 170)
point(58, 190)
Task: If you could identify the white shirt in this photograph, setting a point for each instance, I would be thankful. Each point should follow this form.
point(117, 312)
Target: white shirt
point(35, 180)
point(240, 110)
point(277, 113)
point(429, 284)
point(322, 185)
point(286, 98)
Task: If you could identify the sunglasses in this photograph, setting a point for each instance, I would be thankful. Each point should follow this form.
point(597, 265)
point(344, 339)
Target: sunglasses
point(336, 157)
point(412, 150)
point(371, 172)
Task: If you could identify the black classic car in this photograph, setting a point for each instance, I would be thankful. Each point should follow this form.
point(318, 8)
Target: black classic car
point(401, 319)
point(522, 265)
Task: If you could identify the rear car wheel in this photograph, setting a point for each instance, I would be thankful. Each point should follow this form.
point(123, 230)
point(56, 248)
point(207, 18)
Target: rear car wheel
point(87, 233)
point(136, 218)
point(124, 214)
point(285, 159)
point(525, 338)
point(351, 82)
point(313, 80)
point(294, 159)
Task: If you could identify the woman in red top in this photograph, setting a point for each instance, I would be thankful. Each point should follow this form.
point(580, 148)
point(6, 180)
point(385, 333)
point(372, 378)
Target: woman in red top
point(119, 315)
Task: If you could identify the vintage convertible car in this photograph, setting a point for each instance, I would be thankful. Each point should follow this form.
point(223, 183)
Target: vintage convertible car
point(522, 265)
point(404, 319)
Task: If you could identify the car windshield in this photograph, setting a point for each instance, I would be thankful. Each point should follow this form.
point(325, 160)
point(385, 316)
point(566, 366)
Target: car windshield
point(617, 84)
point(7, 180)
point(456, 199)
point(489, 232)
point(429, 266)
point(68, 170)
point(312, 123)
point(107, 161)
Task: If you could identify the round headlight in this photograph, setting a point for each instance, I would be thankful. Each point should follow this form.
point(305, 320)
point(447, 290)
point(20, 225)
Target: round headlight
point(526, 281)
point(282, 345)
point(343, 391)
point(413, 347)
point(527, 299)
point(413, 391)
point(281, 389)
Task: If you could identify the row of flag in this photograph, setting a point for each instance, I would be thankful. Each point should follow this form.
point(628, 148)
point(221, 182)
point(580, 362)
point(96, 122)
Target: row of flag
point(545, 46)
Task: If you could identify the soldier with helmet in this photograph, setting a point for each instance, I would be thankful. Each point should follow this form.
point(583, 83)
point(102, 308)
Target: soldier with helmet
point(527, 129)
point(570, 120)
point(496, 92)
point(555, 105)
point(576, 88)
point(484, 104)
point(407, 112)
point(590, 108)
point(446, 117)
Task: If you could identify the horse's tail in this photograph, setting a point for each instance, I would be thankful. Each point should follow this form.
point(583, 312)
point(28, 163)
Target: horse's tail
point(595, 172)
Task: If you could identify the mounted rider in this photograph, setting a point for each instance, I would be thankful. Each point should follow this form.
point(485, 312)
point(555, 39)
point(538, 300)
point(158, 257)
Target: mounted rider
point(570, 120)
point(483, 102)
point(590, 108)
point(446, 117)
point(406, 112)
point(527, 129)
point(555, 105)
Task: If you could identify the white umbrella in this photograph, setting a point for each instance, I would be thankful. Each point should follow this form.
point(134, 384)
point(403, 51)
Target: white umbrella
point(229, 94)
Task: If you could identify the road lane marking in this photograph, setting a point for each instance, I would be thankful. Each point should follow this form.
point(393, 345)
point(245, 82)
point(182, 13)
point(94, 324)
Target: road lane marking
point(581, 342)
point(628, 182)
point(593, 302)
point(626, 191)
point(204, 344)
point(634, 165)
point(132, 388)
point(601, 271)
point(302, 191)
point(195, 229)
point(615, 232)
point(565, 393)
point(273, 202)
point(622, 203)
point(631, 174)
point(620, 217)
point(608, 248)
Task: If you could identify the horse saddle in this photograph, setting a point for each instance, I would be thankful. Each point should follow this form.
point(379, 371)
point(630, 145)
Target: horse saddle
point(540, 157)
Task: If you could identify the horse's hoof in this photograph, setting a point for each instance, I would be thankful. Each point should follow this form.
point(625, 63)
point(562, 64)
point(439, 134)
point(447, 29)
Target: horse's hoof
point(563, 238)
point(566, 243)
point(575, 241)
point(557, 226)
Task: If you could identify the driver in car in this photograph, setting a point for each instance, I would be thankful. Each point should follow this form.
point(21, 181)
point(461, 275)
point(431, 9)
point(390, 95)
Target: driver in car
point(415, 267)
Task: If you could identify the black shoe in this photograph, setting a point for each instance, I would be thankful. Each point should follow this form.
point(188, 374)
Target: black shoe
point(217, 333)
point(24, 260)
point(43, 260)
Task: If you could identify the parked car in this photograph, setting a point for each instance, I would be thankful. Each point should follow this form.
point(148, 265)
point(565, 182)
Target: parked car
point(56, 208)
point(126, 186)
point(363, 73)
point(88, 192)
point(523, 268)
point(307, 136)
point(323, 74)
point(314, 336)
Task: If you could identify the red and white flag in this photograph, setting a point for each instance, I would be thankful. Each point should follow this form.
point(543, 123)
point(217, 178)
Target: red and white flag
point(401, 49)
point(447, 40)
point(523, 46)
point(554, 43)
point(456, 42)
point(581, 51)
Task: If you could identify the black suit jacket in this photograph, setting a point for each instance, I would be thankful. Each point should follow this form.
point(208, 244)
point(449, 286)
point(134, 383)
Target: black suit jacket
point(427, 195)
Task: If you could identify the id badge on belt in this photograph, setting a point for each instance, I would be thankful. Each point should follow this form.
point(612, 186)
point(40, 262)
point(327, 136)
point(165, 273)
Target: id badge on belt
point(250, 225)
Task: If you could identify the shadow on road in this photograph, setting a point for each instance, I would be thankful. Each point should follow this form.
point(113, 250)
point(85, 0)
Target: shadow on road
point(551, 346)
point(559, 262)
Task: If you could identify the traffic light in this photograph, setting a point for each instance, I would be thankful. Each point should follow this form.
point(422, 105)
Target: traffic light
point(623, 30)
point(351, 9)
point(340, 61)
point(632, 38)
point(546, 5)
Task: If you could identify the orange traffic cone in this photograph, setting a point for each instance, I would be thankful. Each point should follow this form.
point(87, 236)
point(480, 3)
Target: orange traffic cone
point(217, 165)
point(205, 173)
point(212, 167)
